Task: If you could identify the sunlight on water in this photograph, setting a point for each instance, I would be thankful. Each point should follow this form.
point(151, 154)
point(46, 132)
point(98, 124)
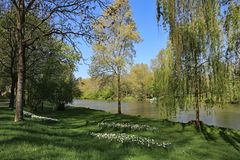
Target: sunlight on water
point(226, 116)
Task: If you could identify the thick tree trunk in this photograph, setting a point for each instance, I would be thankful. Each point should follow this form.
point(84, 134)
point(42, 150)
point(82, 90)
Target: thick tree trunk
point(20, 87)
point(21, 65)
point(119, 92)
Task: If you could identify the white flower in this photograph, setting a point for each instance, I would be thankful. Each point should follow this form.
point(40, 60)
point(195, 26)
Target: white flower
point(39, 117)
point(135, 127)
point(125, 138)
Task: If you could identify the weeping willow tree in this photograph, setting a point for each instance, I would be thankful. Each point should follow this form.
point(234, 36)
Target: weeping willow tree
point(202, 33)
point(162, 67)
point(232, 31)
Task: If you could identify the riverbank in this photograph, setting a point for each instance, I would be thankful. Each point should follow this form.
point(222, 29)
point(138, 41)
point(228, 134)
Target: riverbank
point(220, 116)
point(89, 134)
point(124, 99)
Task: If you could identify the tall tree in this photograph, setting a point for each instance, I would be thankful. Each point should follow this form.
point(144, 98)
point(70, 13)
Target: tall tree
point(62, 18)
point(114, 50)
point(198, 39)
point(8, 54)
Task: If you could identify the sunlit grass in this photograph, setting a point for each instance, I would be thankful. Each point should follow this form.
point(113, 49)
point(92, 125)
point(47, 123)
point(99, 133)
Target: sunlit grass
point(70, 138)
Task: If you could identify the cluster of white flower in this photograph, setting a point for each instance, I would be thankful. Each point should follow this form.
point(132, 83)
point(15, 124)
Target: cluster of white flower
point(126, 138)
point(44, 118)
point(28, 114)
point(134, 127)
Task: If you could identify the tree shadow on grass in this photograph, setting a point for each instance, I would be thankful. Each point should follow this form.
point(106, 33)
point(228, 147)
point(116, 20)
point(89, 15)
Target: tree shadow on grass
point(235, 136)
point(70, 135)
point(64, 136)
point(6, 118)
point(208, 132)
point(77, 143)
point(227, 137)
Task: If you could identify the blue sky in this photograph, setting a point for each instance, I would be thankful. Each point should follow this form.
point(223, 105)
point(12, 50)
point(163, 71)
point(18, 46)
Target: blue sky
point(154, 37)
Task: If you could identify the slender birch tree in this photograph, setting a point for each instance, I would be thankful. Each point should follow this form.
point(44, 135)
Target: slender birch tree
point(114, 49)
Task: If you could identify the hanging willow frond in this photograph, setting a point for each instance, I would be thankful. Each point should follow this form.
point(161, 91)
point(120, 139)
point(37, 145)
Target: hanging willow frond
point(201, 31)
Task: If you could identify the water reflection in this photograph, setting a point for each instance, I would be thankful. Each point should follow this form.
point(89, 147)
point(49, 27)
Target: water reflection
point(225, 116)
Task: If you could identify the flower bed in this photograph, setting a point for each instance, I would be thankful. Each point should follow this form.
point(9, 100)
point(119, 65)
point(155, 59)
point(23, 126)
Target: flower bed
point(126, 138)
point(134, 127)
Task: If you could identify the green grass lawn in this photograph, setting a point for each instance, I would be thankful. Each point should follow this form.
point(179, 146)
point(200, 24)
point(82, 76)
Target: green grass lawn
point(70, 139)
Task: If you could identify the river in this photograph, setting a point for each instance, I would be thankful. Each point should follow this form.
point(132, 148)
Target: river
point(227, 116)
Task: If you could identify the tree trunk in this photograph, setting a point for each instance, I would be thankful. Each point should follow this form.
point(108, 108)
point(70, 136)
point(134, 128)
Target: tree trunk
point(20, 87)
point(12, 94)
point(197, 86)
point(21, 65)
point(119, 91)
point(60, 106)
point(197, 114)
point(42, 107)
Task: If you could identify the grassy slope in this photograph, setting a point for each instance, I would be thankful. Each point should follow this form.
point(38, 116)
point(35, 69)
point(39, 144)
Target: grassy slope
point(69, 139)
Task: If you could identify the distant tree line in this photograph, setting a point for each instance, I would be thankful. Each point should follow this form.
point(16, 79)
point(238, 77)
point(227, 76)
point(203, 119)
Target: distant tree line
point(137, 84)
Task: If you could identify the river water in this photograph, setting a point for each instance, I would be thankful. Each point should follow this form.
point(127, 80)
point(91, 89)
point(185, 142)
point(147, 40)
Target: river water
point(227, 116)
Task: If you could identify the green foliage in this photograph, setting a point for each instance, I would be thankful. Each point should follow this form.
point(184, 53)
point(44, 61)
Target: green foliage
point(116, 32)
point(89, 88)
point(95, 89)
point(105, 93)
point(140, 80)
point(203, 35)
point(162, 67)
point(54, 82)
point(136, 85)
